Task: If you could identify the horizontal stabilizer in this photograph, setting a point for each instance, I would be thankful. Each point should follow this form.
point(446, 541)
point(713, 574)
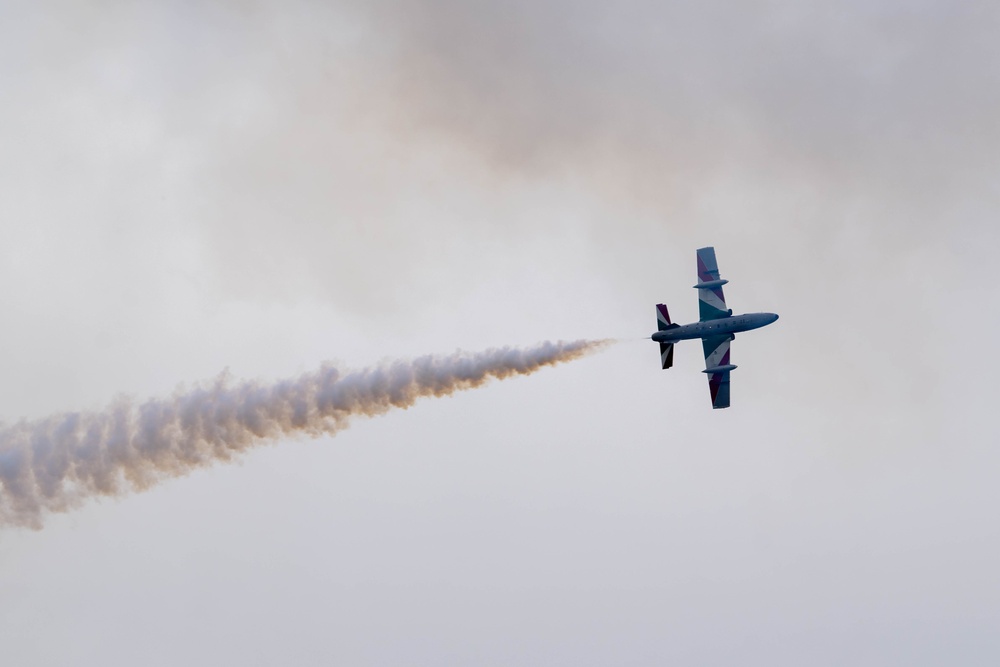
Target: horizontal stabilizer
point(667, 355)
point(663, 318)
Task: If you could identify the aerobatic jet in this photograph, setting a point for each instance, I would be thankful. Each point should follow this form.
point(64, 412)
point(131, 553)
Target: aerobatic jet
point(716, 327)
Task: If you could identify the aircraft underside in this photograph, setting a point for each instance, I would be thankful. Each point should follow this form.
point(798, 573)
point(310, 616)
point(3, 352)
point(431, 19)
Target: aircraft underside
point(717, 328)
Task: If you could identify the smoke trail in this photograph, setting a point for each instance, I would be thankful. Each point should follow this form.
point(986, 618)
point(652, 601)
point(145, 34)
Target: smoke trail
point(54, 464)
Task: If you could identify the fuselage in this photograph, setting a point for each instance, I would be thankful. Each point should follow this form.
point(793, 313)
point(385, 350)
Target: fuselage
point(721, 327)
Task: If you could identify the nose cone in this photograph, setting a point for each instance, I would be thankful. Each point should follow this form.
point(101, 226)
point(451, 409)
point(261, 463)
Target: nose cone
point(772, 317)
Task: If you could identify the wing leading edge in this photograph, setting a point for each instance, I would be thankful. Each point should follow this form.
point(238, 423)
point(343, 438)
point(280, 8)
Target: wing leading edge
point(711, 300)
point(717, 356)
point(712, 306)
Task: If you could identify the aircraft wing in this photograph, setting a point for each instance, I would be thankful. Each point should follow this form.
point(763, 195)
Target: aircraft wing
point(711, 300)
point(717, 355)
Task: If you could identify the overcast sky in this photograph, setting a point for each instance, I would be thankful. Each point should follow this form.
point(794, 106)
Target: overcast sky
point(268, 186)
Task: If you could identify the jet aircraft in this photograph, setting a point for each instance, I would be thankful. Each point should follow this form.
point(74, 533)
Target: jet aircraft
point(716, 327)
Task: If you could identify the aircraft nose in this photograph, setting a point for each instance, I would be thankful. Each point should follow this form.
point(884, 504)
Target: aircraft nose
point(774, 317)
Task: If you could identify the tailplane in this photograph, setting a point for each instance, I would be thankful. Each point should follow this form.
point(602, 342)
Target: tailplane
point(667, 355)
point(663, 318)
point(662, 324)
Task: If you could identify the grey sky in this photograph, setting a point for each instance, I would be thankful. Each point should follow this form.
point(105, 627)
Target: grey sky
point(267, 186)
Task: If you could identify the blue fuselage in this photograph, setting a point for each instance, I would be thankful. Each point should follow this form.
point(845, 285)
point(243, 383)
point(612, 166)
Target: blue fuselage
point(720, 327)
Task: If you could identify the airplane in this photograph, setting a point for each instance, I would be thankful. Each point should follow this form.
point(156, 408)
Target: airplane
point(716, 327)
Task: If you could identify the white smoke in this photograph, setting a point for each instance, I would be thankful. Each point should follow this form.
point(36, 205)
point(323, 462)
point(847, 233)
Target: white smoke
point(54, 464)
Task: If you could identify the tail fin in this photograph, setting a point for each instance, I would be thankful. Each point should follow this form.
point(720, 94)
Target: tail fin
point(663, 317)
point(667, 355)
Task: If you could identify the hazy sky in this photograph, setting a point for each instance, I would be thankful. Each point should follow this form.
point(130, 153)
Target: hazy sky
point(268, 186)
